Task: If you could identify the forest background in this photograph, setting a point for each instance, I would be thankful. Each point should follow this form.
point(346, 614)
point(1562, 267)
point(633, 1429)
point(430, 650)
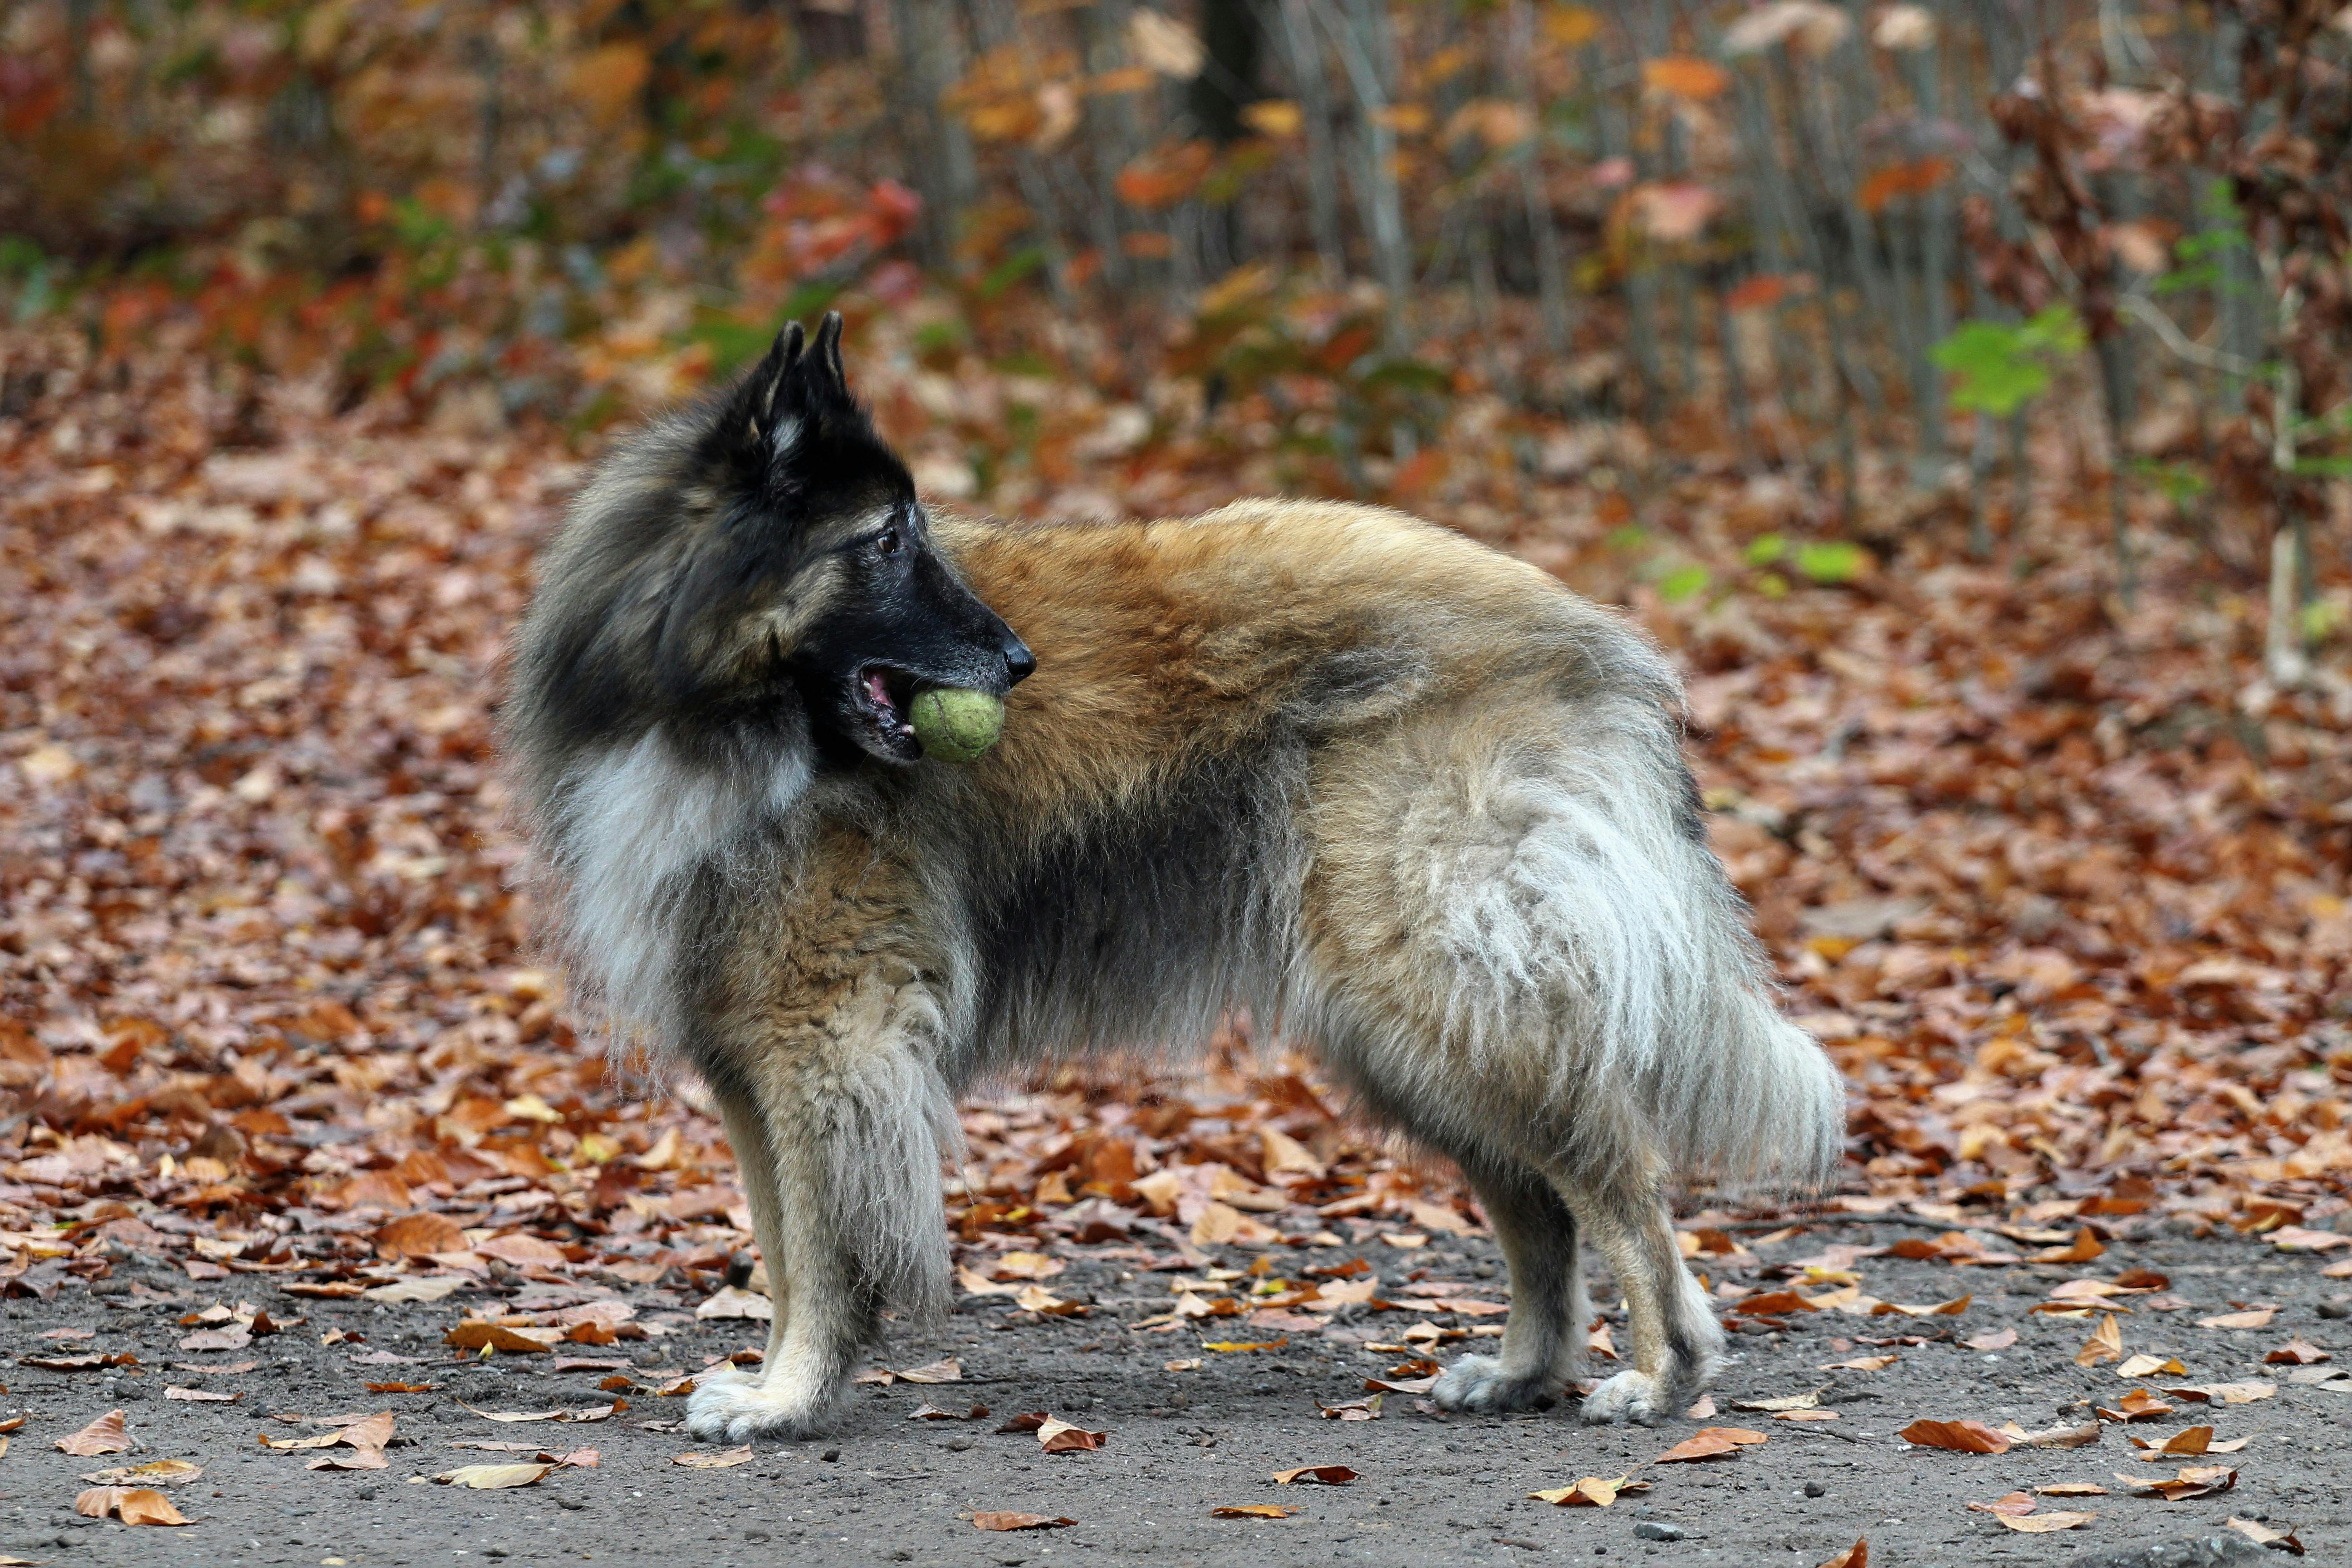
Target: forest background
point(1959, 390)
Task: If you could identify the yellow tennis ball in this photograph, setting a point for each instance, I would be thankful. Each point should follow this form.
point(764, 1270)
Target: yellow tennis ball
point(957, 725)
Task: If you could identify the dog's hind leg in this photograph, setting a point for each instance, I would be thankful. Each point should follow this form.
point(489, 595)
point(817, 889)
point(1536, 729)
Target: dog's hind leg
point(1542, 1344)
point(1676, 1342)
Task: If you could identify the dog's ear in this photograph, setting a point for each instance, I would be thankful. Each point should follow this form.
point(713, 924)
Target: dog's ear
point(799, 384)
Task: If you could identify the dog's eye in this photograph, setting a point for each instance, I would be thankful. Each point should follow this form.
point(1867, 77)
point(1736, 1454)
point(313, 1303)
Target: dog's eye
point(889, 542)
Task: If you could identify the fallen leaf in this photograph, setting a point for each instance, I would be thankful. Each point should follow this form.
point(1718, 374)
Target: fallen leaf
point(2106, 1343)
point(499, 1478)
point(350, 1460)
point(1354, 1410)
point(2017, 1503)
point(726, 1458)
point(1880, 1362)
point(1055, 1435)
point(2083, 1437)
point(1708, 1443)
point(475, 1335)
point(2072, 1489)
point(2082, 1249)
point(1999, 1339)
point(154, 1473)
point(2263, 1536)
point(729, 1304)
point(1187, 1364)
point(2190, 1480)
point(420, 1288)
point(2145, 1365)
point(104, 1436)
point(928, 1412)
point(2188, 1440)
point(1854, 1556)
point(200, 1395)
point(2139, 1405)
point(1590, 1491)
point(948, 1371)
point(132, 1505)
point(1235, 1347)
point(1020, 1522)
point(2044, 1523)
point(1028, 1423)
point(1229, 1510)
point(2296, 1352)
point(2226, 1393)
point(1324, 1474)
point(402, 1387)
point(1951, 1308)
point(1961, 1437)
point(2252, 1317)
point(1785, 1402)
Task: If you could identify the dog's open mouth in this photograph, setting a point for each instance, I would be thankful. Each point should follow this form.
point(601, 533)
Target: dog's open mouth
point(881, 695)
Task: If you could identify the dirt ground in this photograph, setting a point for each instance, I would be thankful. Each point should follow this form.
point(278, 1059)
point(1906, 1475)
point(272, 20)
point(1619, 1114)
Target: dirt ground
point(1432, 1489)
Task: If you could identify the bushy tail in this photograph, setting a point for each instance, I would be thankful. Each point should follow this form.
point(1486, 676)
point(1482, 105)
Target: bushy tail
point(1767, 1109)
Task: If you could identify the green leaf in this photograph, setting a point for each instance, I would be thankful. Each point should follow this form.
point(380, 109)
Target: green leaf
point(1765, 549)
point(1833, 561)
point(1682, 583)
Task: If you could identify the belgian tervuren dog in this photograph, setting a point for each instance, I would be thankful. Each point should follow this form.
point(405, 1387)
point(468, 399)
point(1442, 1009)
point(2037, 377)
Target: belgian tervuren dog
point(1405, 798)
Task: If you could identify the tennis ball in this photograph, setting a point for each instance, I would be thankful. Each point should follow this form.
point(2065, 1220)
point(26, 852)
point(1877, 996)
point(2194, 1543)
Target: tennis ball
point(957, 725)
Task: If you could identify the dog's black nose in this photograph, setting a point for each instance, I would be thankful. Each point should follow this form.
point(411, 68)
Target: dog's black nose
point(1019, 662)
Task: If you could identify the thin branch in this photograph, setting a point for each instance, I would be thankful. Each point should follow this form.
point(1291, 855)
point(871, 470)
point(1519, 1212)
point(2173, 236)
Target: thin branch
point(2140, 308)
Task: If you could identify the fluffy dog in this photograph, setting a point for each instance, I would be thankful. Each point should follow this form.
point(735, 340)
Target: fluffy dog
point(1401, 796)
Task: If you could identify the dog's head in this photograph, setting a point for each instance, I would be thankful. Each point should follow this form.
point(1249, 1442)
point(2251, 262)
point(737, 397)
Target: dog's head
point(819, 577)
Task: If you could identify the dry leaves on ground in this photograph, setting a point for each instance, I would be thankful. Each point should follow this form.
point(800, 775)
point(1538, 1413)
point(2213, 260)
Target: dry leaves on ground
point(131, 1505)
point(1709, 1443)
point(1590, 1491)
point(104, 1436)
point(1960, 1436)
point(1021, 1521)
point(1322, 1475)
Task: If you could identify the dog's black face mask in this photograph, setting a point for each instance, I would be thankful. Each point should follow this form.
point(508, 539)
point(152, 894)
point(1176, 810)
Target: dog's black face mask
point(834, 588)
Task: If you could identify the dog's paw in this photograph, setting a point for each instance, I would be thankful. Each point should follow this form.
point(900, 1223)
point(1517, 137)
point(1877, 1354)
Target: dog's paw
point(1634, 1397)
point(1478, 1382)
point(739, 1409)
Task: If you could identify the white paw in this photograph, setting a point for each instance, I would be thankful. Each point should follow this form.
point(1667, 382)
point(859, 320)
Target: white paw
point(737, 1408)
point(1479, 1383)
point(1629, 1397)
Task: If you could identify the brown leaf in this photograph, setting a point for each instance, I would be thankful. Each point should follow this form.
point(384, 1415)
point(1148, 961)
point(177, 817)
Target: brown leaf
point(1854, 1556)
point(724, 1459)
point(420, 1235)
point(475, 1335)
point(1325, 1475)
point(2106, 1343)
point(2263, 1536)
point(154, 1473)
point(2072, 1489)
point(1055, 1435)
point(104, 1436)
point(1590, 1491)
point(1880, 1362)
point(2014, 1503)
point(2190, 1480)
point(948, 1371)
point(2044, 1523)
point(201, 1395)
point(2251, 1317)
point(2139, 1405)
point(1252, 1511)
point(2082, 1249)
point(1709, 1443)
point(2297, 1352)
point(1961, 1437)
point(132, 1505)
point(499, 1478)
point(1020, 1522)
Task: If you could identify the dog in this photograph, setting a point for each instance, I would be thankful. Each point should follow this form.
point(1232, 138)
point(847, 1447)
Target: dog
point(1400, 796)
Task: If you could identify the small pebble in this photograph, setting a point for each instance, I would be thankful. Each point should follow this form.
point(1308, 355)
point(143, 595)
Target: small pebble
point(830, 1455)
point(1815, 1488)
point(1657, 1530)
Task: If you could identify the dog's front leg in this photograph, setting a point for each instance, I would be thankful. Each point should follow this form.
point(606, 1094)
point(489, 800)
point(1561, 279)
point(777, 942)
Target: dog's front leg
point(852, 1118)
